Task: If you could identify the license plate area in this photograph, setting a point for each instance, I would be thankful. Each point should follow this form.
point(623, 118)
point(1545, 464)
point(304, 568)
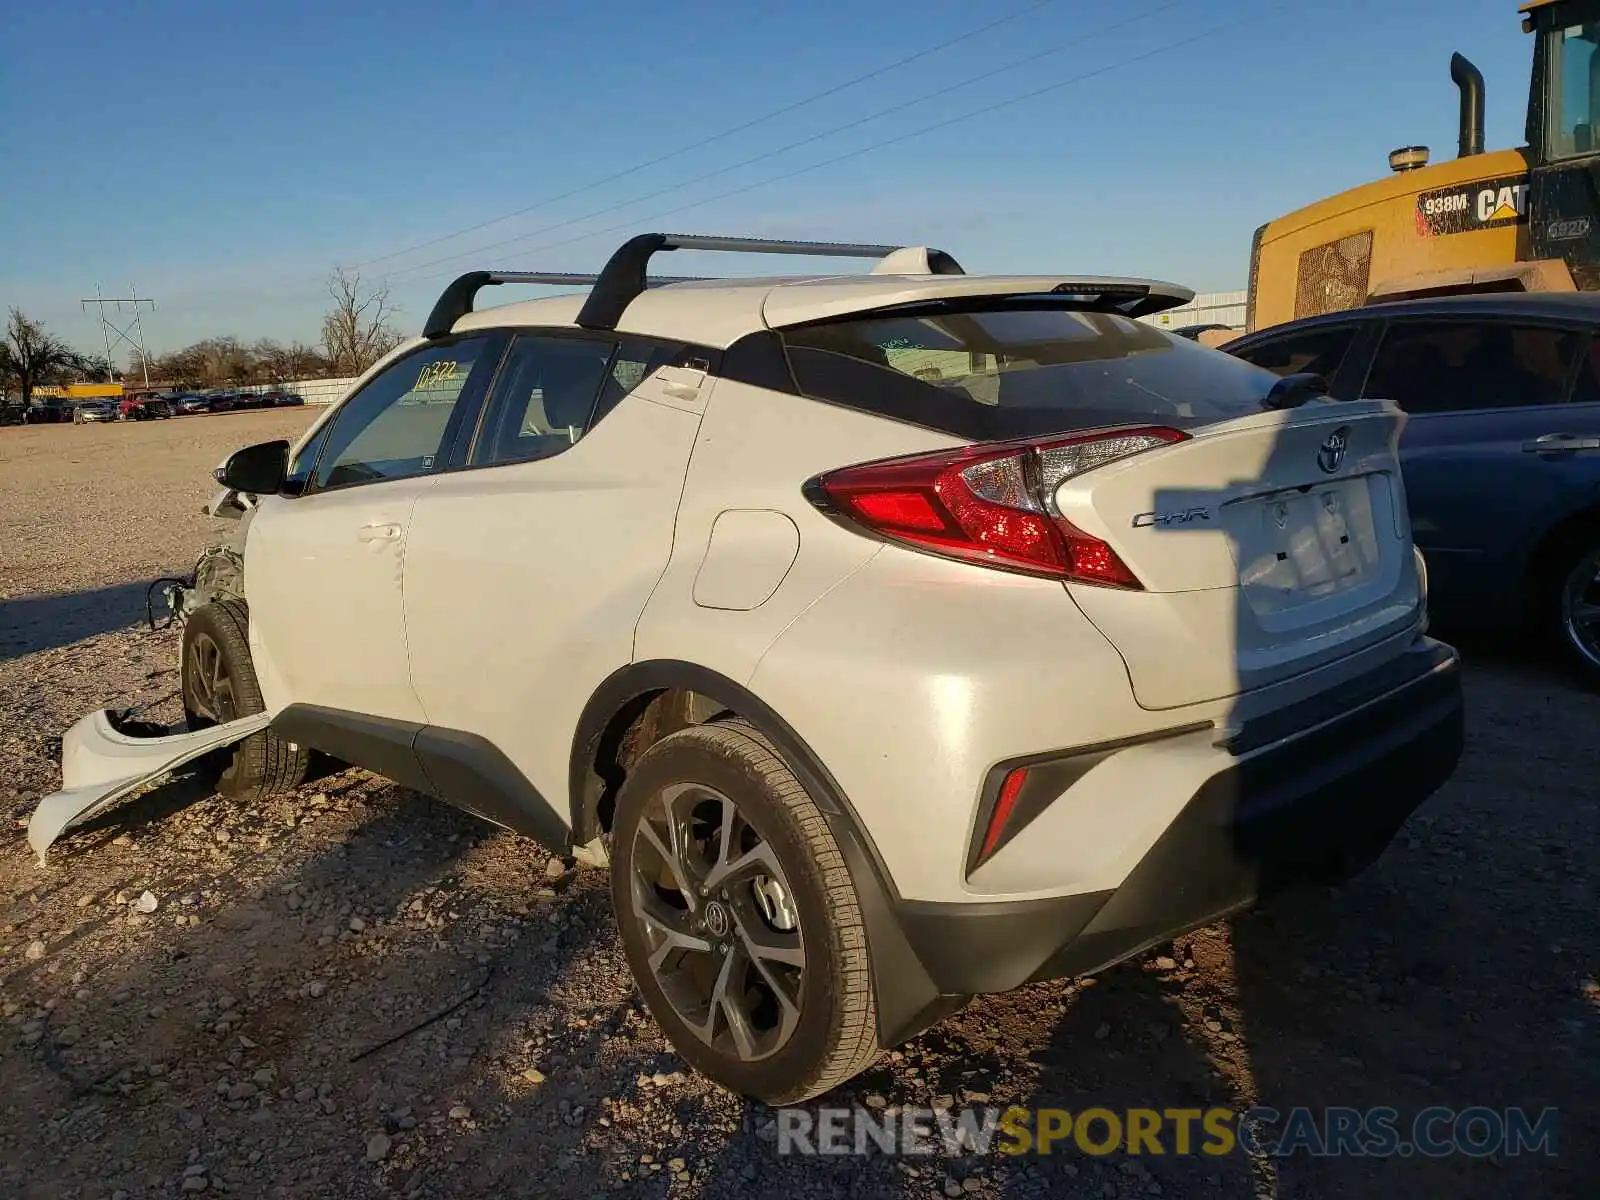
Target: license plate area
point(1295, 547)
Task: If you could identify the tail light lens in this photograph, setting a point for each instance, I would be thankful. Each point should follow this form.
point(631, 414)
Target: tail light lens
point(991, 504)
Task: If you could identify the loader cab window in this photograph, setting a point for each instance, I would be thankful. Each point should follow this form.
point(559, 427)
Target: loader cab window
point(1573, 72)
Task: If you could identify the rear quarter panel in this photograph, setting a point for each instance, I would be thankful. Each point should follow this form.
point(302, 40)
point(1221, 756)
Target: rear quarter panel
point(755, 450)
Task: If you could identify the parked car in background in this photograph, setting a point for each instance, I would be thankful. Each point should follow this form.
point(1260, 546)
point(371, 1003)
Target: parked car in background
point(50, 411)
point(1193, 332)
point(191, 402)
point(288, 399)
point(95, 410)
point(143, 408)
point(221, 400)
point(1501, 452)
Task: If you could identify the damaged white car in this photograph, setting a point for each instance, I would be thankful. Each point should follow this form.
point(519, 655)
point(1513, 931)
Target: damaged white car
point(893, 638)
point(108, 755)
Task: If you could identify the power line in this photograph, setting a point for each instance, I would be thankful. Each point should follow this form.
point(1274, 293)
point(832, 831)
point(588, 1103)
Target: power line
point(717, 137)
point(805, 141)
point(926, 129)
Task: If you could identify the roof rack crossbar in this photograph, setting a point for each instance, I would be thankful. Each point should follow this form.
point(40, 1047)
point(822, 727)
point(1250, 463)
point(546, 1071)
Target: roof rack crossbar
point(622, 279)
point(457, 299)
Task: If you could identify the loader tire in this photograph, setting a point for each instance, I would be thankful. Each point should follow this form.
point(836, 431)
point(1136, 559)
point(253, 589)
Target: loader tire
point(220, 685)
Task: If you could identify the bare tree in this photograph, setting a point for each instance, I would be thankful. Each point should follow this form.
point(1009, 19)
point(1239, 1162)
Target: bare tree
point(31, 356)
point(359, 330)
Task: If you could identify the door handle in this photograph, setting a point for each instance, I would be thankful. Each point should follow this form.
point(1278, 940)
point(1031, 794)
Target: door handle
point(1558, 443)
point(378, 532)
point(681, 383)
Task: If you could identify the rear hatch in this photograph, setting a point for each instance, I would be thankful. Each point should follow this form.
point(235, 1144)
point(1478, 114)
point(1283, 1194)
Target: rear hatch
point(1266, 546)
point(1219, 544)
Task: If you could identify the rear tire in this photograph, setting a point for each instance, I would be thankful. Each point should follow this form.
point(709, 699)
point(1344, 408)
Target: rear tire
point(220, 685)
point(1575, 605)
point(762, 981)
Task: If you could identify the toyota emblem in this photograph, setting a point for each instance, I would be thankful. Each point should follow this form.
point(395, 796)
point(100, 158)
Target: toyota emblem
point(1331, 453)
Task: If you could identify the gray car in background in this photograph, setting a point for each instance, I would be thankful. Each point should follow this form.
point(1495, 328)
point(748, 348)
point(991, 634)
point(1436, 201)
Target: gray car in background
point(1501, 451)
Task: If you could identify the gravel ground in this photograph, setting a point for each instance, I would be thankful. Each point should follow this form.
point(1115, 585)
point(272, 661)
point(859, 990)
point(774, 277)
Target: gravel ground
point(200, 998)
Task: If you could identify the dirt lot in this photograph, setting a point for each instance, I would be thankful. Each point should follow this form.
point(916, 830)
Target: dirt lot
point(234, 1038)
point(91, 513)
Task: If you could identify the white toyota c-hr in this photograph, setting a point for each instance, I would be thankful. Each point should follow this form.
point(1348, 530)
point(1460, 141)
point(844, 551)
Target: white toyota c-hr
point(892, 638)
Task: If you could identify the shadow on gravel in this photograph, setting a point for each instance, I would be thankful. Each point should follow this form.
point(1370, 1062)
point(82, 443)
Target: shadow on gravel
point(473, 1037)
point(29, 624)
point(1452, 972)
point(228, 1044)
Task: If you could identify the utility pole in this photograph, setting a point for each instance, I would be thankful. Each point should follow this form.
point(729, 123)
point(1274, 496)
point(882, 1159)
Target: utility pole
point(114, 332)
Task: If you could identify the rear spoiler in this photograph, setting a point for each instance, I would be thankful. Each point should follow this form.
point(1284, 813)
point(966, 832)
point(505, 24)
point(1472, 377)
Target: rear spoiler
point(623, 279)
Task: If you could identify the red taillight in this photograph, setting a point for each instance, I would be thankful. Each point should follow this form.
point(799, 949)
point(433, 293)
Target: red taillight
point(992, 504)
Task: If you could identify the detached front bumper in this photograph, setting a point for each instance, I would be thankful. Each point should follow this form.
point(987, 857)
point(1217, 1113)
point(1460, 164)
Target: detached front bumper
point(100, 764)
point(1313, 794)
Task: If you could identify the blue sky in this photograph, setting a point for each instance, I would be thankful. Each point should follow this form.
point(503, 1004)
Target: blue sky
point(224, 158)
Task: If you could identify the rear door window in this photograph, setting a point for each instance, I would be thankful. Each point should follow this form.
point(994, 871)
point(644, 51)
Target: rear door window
point(1586, 387)
point(545, 398)
point(1314, 351)
point(992, 371)
point(637, 359)
point(1457, 366)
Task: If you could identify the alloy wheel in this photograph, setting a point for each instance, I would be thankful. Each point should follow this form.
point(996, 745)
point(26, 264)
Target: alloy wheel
point(1580, 607)
point(719, 920)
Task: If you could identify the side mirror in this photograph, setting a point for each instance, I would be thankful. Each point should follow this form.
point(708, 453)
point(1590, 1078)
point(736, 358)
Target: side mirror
point(257, 469)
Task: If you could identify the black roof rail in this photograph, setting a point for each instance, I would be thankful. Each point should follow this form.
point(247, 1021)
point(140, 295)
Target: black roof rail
point(456, 300)
point(622, 279)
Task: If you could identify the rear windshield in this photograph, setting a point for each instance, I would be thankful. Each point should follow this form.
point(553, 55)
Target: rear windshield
point(991, 372)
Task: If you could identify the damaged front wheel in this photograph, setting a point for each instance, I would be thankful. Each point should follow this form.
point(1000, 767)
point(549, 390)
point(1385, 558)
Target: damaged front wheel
point(220, 685)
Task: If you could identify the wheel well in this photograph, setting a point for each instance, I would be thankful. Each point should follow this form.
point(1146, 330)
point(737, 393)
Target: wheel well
point(638, 724)
point(1547, 558)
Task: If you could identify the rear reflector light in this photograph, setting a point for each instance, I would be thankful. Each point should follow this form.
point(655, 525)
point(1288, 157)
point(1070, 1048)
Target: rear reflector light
point(991, 504)
point(1004, 805)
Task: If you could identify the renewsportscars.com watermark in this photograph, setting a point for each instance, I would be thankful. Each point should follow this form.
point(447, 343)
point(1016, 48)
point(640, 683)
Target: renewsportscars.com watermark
point(1261, 1132)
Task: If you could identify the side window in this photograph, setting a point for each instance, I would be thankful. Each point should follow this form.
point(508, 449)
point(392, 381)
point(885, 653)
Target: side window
point(1586, 389)
point(635, 362)
point(303, 463)
point(1320, 352)
point(545, 398)
point(400, 423)
point(1454, 366)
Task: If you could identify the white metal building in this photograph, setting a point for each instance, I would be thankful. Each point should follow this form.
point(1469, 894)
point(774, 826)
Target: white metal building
point(1207, 308)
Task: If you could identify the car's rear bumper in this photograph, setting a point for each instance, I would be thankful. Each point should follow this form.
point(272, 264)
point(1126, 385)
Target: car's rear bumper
point(1309, 794)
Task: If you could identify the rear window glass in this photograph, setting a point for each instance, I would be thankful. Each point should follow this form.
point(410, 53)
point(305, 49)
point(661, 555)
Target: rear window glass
point(993, 372)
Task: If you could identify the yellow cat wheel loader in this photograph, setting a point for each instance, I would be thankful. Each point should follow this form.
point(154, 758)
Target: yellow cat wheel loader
point(1504, 220)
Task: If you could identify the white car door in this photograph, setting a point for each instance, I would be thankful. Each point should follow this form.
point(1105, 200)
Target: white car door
point(525, 578)
point(323, 569)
